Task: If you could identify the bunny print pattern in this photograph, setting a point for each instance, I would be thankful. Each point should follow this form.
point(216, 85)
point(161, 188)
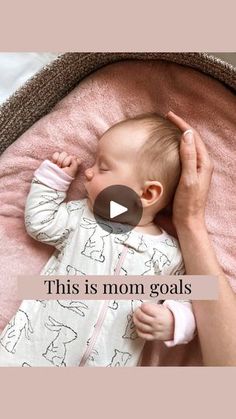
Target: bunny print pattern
point(89, 332)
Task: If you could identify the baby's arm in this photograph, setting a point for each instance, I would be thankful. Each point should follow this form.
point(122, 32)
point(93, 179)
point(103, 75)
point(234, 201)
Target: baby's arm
point(47, 218)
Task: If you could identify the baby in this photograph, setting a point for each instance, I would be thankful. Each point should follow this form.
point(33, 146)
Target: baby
point(143, 154)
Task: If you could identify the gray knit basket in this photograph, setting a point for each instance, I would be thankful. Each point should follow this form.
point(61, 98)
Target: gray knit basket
point(39, 94)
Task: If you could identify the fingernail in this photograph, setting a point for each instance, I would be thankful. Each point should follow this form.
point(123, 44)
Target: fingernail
point(188, 136)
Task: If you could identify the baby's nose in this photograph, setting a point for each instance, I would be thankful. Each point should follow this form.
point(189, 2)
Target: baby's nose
point(89, 174)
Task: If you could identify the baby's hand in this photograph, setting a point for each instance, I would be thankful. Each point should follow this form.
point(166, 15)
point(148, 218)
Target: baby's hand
point(154, 321)
point(69, 164)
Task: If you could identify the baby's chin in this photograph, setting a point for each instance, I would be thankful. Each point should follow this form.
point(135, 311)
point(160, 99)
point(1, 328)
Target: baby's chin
point(93, 209)
point(89, 203)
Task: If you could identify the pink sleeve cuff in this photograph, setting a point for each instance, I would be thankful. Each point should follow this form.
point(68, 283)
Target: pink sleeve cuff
point(185, 324)
point(51, 175)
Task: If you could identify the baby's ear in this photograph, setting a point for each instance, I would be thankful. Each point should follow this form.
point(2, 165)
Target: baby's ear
point(152, 193)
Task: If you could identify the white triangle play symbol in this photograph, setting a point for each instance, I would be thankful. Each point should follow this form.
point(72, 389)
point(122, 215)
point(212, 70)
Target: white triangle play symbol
point(116, 209)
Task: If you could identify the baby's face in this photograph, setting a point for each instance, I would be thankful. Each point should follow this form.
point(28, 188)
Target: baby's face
point(116, 162)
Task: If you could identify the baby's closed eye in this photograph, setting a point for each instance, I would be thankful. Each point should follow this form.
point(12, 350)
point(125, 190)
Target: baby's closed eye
point(103, 168)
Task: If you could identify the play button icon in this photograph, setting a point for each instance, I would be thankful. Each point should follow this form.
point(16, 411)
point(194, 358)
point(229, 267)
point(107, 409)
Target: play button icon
point(118, 209)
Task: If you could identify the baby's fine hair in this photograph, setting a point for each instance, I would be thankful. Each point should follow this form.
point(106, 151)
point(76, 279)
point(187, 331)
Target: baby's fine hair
point(158, 158)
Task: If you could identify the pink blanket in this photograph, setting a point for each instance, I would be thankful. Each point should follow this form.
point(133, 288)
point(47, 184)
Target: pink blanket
point(113, 93)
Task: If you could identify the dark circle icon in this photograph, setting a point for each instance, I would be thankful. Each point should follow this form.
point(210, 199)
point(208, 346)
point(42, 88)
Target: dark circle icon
point(117, 209)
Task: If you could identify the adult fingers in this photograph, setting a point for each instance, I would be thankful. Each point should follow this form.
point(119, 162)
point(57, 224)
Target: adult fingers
point(203, 157)
point(188, 155)
point(182, 124)
point(178, 121)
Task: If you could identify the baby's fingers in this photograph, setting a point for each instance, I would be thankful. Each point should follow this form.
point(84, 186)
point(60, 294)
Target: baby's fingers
point(146, 336)
point(55, 157)
point(142, 327)
point(75, 163)
point(72, 167)
point(61, 158)
point(67, 161)
point(58, 158)
point(140, 316)
point(151, 309)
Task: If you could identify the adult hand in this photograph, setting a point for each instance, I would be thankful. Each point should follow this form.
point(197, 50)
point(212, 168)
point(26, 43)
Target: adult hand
point(192, 191)
point(217, 317)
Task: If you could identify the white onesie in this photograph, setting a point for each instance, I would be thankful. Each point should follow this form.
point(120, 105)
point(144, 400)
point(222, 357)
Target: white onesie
point(87, 332)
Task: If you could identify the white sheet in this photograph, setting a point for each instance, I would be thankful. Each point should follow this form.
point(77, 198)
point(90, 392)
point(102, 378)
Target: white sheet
point(17, 67)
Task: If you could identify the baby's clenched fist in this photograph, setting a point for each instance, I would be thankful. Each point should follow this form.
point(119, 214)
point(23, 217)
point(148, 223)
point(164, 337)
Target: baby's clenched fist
point(154, 321)
point(68, 163)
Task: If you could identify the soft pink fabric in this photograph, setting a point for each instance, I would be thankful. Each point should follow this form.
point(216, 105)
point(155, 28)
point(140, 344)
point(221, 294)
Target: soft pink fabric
point(185, 325)
point(113, 93)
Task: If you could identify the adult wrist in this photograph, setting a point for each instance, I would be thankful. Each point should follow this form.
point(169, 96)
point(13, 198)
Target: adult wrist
point(190, 224)
point(198, 253)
